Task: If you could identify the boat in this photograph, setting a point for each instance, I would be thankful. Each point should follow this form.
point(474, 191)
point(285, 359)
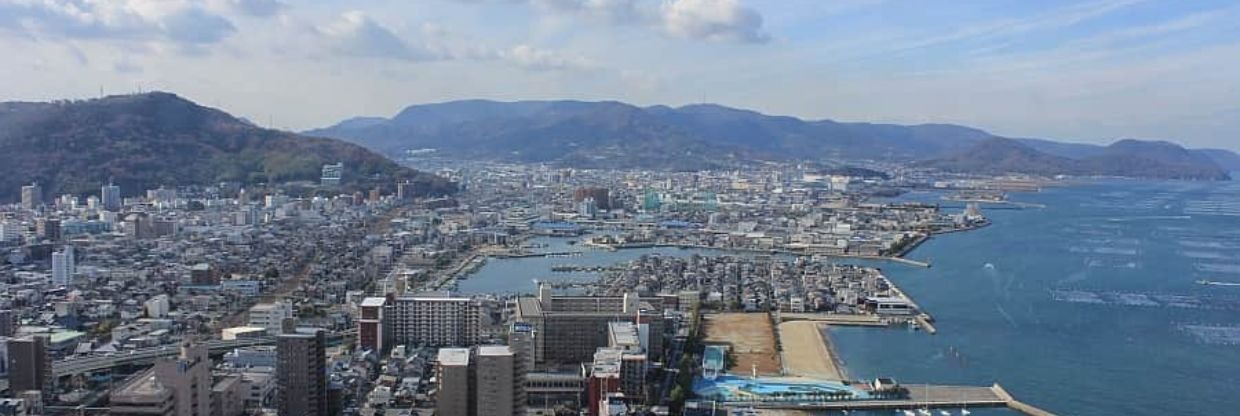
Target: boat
point(945, 413)
point(924, 412)
point(909, 413)
point(965, 412)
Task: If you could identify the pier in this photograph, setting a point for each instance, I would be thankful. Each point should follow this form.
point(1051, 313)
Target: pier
point(920, 396)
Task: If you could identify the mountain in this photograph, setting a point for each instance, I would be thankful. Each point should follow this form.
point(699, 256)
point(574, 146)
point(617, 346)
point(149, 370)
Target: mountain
point(614, 134)
point(147, 140)
point(701, 136)
point(1124, 158)
point(1226, 159)
point(998, 156)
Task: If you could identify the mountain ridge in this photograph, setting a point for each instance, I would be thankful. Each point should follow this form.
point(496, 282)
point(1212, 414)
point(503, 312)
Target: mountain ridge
point(590, 133)
point(143, 141)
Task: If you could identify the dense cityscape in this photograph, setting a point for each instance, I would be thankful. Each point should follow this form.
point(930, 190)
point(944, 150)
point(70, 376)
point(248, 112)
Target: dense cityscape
point(252, 301)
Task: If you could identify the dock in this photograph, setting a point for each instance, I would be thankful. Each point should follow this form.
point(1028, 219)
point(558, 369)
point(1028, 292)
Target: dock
point(920, 396)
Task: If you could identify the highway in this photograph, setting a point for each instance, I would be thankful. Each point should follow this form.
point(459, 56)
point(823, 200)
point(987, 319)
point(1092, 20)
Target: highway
point(141, 356)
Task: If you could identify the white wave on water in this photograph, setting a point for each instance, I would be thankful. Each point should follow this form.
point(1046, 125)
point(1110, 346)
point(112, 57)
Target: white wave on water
point(1213, 334)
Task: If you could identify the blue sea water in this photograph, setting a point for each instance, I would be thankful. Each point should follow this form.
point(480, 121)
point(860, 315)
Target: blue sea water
point(1089, 306)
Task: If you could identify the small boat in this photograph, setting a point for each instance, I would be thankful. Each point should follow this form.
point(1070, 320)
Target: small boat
point(945, 413)
point(965, 412)
point(909, 413)
point(924, 412)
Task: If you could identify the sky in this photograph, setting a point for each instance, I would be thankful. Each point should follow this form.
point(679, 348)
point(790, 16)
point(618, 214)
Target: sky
point(1087, 71)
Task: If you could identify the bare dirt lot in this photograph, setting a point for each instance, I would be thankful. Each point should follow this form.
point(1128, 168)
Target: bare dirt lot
point(751, 338)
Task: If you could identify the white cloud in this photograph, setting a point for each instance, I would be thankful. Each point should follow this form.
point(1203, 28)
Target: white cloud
point(530, 57)
point(708, 20)
point(713, 20)
point(171, 21)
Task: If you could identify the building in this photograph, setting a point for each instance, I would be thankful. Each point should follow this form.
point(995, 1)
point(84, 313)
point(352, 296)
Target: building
point(8, 322)
point(142, 395)
point(63, 267)
point(110, 197)
point(332, 174)
point(48, 229)
point(570, 328)
point(10, 231)
point(453, 392)
point(372, 330)
point(228, 396)
point(203, 274)
point(605, 377)
point(157, 306)
point(179, 386)
point(587, 208)
point(32, 196)
point(301, 374)
point(499, 382)
point(30, 368)
point(271, 316)
point(601, 196)
point(434, 321)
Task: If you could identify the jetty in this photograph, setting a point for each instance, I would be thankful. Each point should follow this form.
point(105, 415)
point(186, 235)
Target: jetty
point(920, 396)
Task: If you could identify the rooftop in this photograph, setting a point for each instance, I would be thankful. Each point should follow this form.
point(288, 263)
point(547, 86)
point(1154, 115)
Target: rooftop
point(454, 356)
point(494, 350)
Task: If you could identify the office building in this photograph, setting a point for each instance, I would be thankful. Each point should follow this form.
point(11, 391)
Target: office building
point(301, 374)
point(179, 386)
point(271, 316)
point(32, 196)
point(63, 266)
point(30, 368)
point(434, 321)
point(110, 197)
point(228, 396)
point(373, 333)
point(605, 378)
point(453, 392)
point(8, 322)
point(48, 229)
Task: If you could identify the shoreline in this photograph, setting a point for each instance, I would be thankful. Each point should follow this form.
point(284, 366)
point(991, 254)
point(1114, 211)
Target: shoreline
point(806, 351)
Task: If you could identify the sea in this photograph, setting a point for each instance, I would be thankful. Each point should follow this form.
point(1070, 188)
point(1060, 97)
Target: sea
point(1114, 298)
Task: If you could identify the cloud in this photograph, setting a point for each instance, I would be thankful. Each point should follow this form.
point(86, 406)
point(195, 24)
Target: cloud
point(179, 22)
point(254, 8)
point(530, 57)
point(713, 20)
point(356, 34)
point(708, 20)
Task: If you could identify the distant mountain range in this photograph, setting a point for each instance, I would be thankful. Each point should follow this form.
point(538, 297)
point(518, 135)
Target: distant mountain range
point(147, 140)
point(705, 136)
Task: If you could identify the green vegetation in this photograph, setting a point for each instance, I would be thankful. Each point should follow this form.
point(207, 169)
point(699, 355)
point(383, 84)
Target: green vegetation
point(148, 140)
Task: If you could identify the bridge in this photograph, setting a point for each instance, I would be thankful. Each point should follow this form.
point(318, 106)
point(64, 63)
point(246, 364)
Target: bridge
point(146, 356)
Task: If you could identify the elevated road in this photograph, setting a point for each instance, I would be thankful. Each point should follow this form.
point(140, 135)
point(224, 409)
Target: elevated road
point(146, 356)
point(919, 397)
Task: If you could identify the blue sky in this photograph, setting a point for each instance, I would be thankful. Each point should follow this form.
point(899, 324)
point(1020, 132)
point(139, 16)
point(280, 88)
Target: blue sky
point(1089, 71)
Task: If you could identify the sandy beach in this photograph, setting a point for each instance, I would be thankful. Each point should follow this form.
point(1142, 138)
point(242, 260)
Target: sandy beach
point(807, 353)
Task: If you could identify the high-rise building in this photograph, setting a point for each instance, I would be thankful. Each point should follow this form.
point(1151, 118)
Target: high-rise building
point(8, 322)
point(271, 316)
point(332, 174)
point(373, 333)
point(453, 392)
point(48, 229)
point(301, 374)
point(32, 196)
point(499, 382)
point(9, 231)
point(29, 365)
point(204, 274)
point(178, 386)
point(63, 267)
point(587, 208)
point(436, 321)
point(110, 197)
point(570, 328)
